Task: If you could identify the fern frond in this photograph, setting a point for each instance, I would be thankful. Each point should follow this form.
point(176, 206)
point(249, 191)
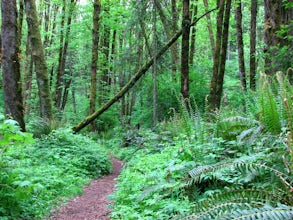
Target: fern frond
point(228, 211)
point(199, 174)
point(266, 212)
point(252, 196)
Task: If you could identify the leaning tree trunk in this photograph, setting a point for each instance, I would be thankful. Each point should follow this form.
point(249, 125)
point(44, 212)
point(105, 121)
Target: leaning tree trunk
point(10, 62)
point(132, 81)
point(39, 60)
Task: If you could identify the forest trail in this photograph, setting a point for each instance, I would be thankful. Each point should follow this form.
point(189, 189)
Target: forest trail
point(92, 204)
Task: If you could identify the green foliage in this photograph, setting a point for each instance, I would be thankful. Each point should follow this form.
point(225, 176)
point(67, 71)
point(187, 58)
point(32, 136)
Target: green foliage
point(269, 114)
point(36, 177)
point(38, 127)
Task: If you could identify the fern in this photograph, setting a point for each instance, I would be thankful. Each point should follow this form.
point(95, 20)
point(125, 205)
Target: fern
point(270, 115)
point(281, 212)
point(198, 174)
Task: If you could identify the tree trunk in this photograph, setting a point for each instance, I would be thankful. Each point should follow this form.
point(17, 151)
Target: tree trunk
point(39, 60)
point(252, 58)
point(10, 63)
point(105, 81)
point(185, 50)
point(216, 86)
point(28, 77)
point(169, 30)
point(95, 45)
point(58, 89)
point(210, 28)
point(154, 66)
point(193, 33)
point(63, 53)
point(238, 18)
point(132, 81)
point(278, 35)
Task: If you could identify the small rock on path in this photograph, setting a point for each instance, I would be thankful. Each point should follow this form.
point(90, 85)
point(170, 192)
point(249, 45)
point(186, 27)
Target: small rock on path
point(92, 204)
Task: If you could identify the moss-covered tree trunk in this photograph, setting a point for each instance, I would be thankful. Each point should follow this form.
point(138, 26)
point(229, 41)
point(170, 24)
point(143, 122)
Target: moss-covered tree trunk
point(10, 62)
point(94, 64)
point(39, 60)
point(278, 35)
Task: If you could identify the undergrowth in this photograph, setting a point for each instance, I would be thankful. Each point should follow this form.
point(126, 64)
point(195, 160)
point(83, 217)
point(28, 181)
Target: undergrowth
point(37, 176)
point(231, 164)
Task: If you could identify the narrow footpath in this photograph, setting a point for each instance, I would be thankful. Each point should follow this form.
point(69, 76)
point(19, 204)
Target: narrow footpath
point(92, 204)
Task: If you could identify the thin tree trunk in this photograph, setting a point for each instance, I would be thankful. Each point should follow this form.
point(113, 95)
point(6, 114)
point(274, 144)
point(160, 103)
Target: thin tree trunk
point(95, 45)
point(61, 66)
point(252, 58)
point(28, 75)
point(10, 63)
point(73, 100)
point(154, 66)
point(193, 34)
point(105, 79)
point(169, 30)
point(241, 63)
point(216, 86)
point(68, 82)
point(39, 60)
point(58, 89)
point(185, 50)
point(210, 28)
point(133, 80)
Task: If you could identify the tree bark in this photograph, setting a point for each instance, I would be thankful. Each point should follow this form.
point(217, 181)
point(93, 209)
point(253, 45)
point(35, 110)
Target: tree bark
point(10, 63)
point(278, 35)
point(39, 60)
point(105, 80)
point(216, 86)
point(132, 81)
point(210, 28)
point(63, 53)
point(185, 50)
point(169, 30)
point(154, 66)
point(241, 63)
point(193, 34)
point(95, 45)
point(252, 58)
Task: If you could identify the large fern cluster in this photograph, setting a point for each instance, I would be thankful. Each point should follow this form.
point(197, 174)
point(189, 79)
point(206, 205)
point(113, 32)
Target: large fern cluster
point(243, 198)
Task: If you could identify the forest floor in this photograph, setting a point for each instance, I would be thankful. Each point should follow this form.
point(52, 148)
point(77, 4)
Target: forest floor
point(92, 204)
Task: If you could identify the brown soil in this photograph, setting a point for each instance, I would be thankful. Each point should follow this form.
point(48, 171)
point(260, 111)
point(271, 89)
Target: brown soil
point(92, 204)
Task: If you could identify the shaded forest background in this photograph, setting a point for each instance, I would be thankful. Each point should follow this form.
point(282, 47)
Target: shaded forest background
point(91, 50)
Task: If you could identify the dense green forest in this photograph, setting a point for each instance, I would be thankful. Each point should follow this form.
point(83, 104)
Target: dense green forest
point(195, 97)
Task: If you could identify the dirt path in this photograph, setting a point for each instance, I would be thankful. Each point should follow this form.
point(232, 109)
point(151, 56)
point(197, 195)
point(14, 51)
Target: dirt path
point(92, 204)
